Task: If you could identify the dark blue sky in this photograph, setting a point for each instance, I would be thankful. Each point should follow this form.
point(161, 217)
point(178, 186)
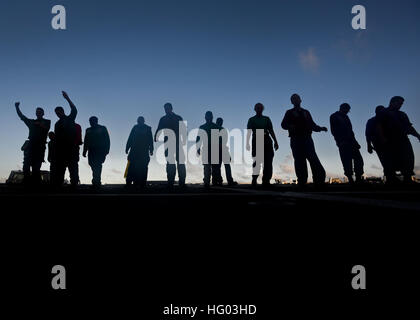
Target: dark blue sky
point(122, 59)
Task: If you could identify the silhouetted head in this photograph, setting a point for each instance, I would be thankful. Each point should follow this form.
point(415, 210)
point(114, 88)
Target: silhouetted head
point(396, 103)
point(168, 108)
point(51, 135)
point(39, 113)
point(345, 108)
point(379, 109)
point(209, 116)
point(219, 122)
point(295, 99)
point(140, 120)
point(93, 121)
point(259, 108)
point(59, 111)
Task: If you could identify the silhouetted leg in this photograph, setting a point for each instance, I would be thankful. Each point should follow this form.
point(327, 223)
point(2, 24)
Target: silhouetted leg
point(53, 173)
point(216, 174)
point(318, 171)
point(182, 173)
point(268, 163)
point(60, 171)
point(170, 173)
point(228, 171)
point(346, 156)
point(407, 156)
point(74, 172)
point(298, 151)
point(358, 163)
point(207, 174)
point(26, 167)
point(96, 166)
point(36, 171)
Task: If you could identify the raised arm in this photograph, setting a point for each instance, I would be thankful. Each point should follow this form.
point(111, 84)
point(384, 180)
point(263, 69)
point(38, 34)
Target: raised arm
point(20, 114)
point(73, 112)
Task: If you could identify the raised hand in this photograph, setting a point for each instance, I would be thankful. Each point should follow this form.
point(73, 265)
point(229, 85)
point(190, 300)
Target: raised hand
point(65, 95)
point(17, 104)
point(276, 146)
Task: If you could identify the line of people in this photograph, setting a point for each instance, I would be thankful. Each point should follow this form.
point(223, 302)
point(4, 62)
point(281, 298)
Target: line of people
point(386, 134)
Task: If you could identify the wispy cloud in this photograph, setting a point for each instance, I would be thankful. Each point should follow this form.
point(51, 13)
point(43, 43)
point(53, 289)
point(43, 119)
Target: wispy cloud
point(309, 60)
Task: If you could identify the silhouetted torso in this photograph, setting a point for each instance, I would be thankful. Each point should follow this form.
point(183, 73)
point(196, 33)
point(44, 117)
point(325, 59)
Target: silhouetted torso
point(341, 128)
point(375, 132)
point(299, 123)
point(38, 130)
point(260, 122)
point(97, 140)
point(140, 142)
point(65, 132)
point(170, 121)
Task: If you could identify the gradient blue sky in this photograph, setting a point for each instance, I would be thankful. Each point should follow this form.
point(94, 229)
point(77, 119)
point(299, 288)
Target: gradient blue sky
point(122, 59)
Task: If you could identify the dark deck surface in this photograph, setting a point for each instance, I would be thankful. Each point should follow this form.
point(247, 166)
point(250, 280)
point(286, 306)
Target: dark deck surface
point(223, 245)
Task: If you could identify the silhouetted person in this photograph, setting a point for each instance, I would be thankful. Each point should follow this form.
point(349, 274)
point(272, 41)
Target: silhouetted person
point(224, 154)
point(139, 148)
point(67, 143)
point(52, 157)
point(211, 166)
point(376, 140)
point(260, 122)
point(299, 123)
point(349, 148)
point(397, 128)
point(172, 124)
point(97, 146)
point(34, 149)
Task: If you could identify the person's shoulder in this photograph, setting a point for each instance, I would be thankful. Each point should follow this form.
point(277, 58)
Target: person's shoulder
point(203, 126)
point(148, 127)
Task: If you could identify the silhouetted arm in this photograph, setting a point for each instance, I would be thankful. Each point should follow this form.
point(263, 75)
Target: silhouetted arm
point(157, 133)
point(107, 141)
point(332, 125)
point(285, 124)
point(368, 135)
point(408, 126)
point(73, 112)
point(248, 134)
point(314, 126)
point(87, 142)
point(150, 139)
point(21, 115)
point(182, 132)
point(130, 141)
point(272, 134)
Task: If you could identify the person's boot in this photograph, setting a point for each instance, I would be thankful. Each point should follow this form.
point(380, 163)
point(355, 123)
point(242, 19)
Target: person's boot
point(232, 183)
point(254, 181)
point(359, 180)
point(350, 180)
point(408, 180)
